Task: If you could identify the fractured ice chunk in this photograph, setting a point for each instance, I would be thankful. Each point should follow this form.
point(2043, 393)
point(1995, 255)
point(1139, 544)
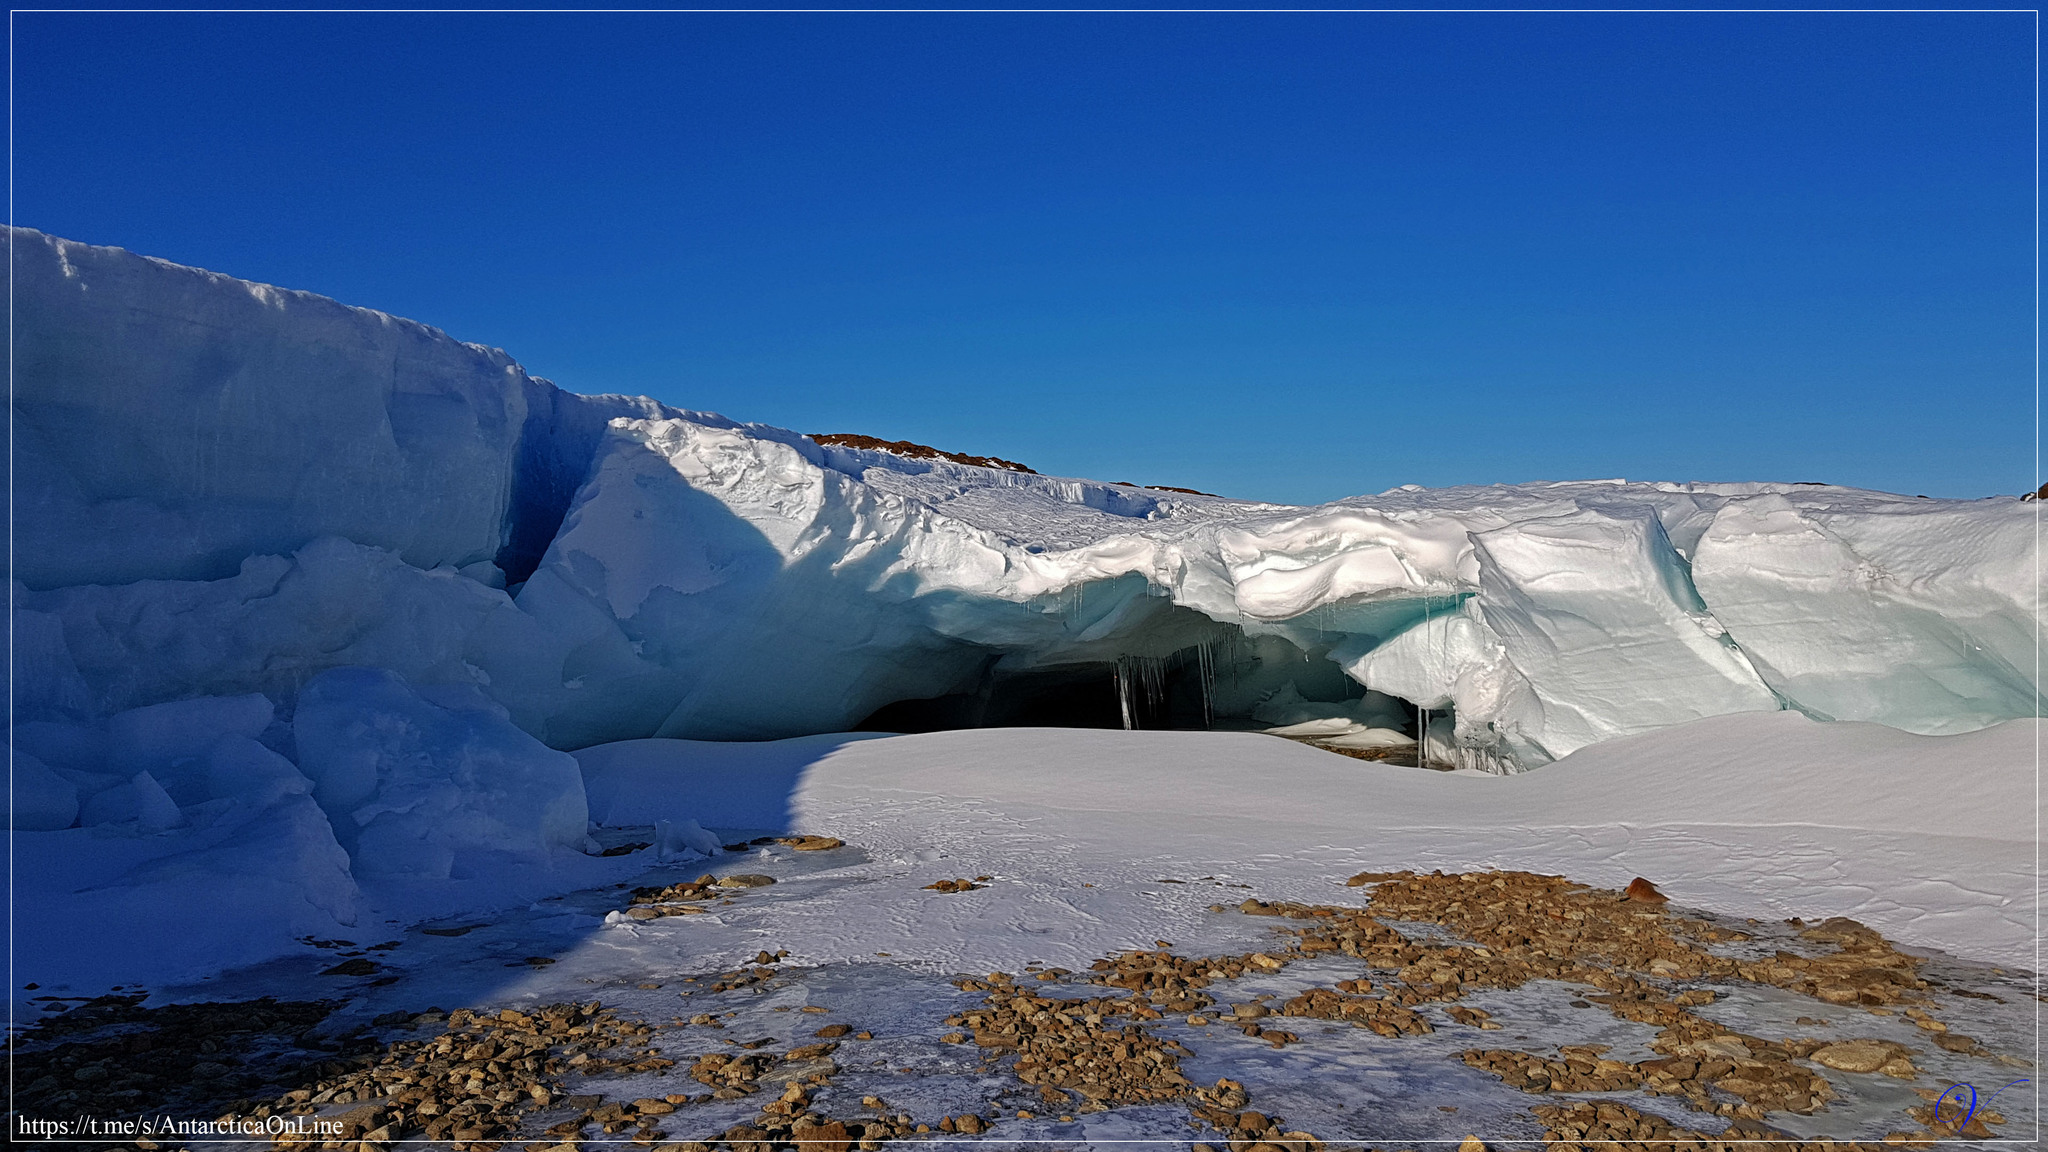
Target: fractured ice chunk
point(141, 800)
point(412, 787)
point(64, 747)
point(240, 769)
point(150, 738)
point(686, 838)
point(40, 800)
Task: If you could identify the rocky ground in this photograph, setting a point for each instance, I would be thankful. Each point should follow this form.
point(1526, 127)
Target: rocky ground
point(1422, 970)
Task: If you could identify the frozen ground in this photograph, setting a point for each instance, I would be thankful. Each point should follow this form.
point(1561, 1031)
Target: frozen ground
point(1097, 842)
point(334, 637)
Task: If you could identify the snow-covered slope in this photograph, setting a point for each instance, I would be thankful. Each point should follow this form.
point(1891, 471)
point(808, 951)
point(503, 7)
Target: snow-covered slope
point(308, 601)
point(1929, 839)
point(1752, 815)
point(227, 488)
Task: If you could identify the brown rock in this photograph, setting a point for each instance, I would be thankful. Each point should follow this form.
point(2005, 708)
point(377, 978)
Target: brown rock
point(1855, 1055)
point(954, 886)
point(1644, 892)
point(813, 843)
point(831, 1136)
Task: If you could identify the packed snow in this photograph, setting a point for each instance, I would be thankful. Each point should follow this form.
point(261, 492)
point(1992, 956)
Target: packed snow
point(1767, 815)
point(1094, 842)
point(328, 626)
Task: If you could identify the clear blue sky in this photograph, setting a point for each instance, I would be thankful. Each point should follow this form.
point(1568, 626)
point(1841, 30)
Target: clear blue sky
point(1288, 257)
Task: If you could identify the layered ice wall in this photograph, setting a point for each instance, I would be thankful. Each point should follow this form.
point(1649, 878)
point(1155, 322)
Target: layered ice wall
point(227, 489)
point(170, 423)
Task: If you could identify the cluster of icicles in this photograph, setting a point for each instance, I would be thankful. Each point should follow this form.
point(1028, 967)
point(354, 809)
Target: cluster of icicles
point(1143, 678)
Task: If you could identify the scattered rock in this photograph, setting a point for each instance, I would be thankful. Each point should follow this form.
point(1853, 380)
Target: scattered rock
point(954, 886)
point(1610, 1126)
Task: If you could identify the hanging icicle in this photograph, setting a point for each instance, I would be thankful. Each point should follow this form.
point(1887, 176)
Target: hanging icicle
point(1141, 688)
point(1422, 714)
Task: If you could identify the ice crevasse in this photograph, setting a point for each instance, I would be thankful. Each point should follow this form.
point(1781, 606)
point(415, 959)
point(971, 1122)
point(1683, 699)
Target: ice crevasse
point(227, 489)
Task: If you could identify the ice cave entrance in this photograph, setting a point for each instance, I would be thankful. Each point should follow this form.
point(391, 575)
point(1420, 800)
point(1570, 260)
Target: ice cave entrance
point(1225, 680)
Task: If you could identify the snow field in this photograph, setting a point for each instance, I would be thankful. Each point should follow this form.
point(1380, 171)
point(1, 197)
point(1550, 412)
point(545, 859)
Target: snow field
point(1100, 842)
point(266, 693)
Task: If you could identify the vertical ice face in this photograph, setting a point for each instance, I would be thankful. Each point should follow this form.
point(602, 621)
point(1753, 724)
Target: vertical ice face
point(1583, 626)
point(1902, 616)
point(268, 628)
point(1597, 614)
point(176, 422)
point(226, 488)
point(712, 584)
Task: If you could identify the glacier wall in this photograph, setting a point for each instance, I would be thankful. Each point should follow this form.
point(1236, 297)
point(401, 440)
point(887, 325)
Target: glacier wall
point(226, 489)
point(172, 422)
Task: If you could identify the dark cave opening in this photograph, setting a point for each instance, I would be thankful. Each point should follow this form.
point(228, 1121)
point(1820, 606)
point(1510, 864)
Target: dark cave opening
point(1202, 687)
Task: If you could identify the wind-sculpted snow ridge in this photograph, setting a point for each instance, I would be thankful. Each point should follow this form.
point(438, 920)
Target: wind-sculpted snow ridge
point(1540, 618)
point(226, 488)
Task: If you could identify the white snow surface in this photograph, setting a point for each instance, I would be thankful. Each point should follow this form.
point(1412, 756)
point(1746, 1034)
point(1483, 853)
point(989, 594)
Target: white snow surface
point(1098, 841)
point(1928, 839)
point(307, 601)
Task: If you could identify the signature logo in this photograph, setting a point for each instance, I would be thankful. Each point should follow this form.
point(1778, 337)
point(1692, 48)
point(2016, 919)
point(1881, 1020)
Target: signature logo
point(1963, 1099)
